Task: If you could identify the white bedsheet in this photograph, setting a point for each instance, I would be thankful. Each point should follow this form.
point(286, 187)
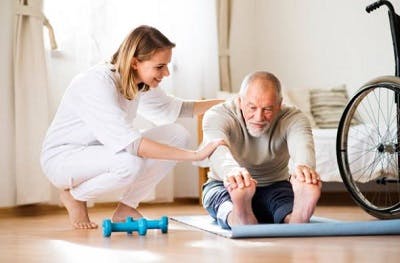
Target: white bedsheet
point(366, 163)
point(325, 154)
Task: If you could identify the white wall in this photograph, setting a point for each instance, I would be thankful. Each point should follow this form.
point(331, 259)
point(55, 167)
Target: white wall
point(311, 43)
point(242, 40)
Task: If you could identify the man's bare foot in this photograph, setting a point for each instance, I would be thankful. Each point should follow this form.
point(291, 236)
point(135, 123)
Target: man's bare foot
point(242, 212)
point(77, 211)
point(306, 196)
point(123, 211)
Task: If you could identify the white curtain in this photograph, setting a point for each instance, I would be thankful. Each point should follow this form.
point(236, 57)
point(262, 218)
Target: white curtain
point(7, 149)
point(224, 17)
point(31, 102)
point(25, 108)
point(89, 31)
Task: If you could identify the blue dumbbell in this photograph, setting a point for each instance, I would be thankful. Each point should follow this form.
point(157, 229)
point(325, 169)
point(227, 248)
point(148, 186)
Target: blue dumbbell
point(141, 225)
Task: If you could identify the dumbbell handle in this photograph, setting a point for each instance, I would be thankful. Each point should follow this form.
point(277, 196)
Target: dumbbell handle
point(152, 224)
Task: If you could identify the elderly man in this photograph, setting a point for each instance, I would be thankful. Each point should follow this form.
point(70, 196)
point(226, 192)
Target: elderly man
point(249, 180)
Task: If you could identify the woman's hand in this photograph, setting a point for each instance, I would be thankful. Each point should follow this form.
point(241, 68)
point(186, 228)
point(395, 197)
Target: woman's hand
point(207, 150)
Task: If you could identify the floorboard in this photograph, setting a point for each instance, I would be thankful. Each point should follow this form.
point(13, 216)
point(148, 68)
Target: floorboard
point(42, 234)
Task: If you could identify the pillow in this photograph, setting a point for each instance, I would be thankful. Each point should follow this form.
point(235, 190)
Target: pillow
point(300, 99)
point(327, 106)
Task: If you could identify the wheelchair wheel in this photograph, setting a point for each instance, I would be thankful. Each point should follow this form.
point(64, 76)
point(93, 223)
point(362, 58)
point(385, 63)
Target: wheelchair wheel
point(368, 150)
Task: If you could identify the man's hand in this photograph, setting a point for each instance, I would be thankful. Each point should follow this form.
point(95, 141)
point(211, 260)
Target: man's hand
point(238, 177)
point(306, 174)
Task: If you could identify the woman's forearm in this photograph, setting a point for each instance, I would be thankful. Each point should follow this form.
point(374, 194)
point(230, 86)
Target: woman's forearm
point(201, 106)
point(155, 150)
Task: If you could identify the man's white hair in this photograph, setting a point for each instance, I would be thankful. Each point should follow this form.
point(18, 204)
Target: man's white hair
point(260, 75)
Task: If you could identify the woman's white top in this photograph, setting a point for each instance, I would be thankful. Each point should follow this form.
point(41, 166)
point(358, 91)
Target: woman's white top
point(93, 112)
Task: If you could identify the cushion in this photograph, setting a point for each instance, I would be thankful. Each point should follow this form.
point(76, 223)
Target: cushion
point(327, 106)
point(300, 99)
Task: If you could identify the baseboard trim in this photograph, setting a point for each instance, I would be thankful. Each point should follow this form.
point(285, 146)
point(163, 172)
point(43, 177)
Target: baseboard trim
point(327, 199)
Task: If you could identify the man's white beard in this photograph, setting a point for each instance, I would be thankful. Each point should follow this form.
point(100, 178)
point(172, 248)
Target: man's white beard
point(257, 132)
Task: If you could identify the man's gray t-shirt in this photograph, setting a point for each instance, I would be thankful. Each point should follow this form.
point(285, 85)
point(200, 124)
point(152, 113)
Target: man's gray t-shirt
point(265, 157)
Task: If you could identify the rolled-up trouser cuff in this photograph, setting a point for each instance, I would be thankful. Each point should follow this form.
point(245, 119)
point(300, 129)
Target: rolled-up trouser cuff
point(282, 212)
point(222, 215)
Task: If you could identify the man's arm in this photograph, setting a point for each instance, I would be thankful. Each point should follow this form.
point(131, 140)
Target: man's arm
point(301, 149)
point(218, 125)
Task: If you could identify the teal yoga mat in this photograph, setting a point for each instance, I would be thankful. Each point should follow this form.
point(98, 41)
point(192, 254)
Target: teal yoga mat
point(319, 226)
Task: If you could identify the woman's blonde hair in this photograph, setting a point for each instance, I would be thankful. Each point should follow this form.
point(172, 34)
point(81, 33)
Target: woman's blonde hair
point(141, 43)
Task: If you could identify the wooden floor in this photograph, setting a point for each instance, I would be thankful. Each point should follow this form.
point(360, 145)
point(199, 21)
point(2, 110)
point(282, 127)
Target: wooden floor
point(42, 234)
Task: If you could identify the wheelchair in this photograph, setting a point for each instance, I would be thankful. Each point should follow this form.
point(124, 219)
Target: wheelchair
point(368, 138)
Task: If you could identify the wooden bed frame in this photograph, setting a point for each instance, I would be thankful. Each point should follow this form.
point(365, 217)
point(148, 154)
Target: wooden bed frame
point(202, 170)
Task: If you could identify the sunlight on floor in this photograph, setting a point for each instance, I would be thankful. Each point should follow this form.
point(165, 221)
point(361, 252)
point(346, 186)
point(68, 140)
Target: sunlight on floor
point(221, 245)
point(253, 244)
point(71, 252)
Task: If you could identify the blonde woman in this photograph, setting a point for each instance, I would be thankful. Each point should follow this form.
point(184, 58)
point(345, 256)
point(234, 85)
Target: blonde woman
point(92, 148)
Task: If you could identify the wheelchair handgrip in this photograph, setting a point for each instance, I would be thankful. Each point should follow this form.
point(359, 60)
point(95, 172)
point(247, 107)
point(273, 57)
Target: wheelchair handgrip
point(374, 6)
point(378, 4)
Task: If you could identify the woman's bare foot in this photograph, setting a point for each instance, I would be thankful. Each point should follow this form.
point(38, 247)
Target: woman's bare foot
point(242, 212)
point(306, 196)
point(77, 211)
point(123, 211)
